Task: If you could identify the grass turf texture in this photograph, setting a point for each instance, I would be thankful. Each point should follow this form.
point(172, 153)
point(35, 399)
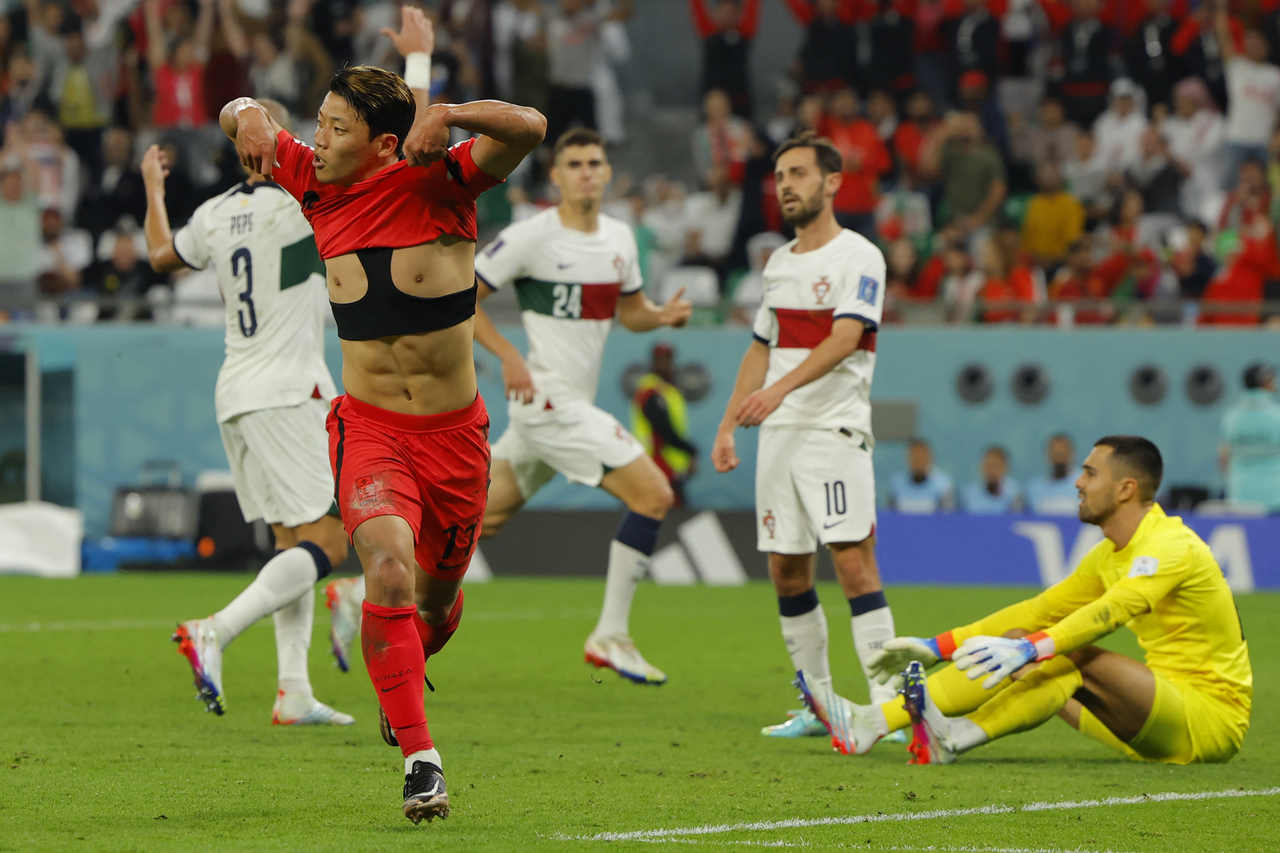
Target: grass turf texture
point(104, 747)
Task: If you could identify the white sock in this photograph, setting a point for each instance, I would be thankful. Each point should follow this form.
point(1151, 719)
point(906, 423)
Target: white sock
point(431, 755)
point(870, 631)
point(626, 567)
point(964, 734)
point(293, 639)
point(806, 639)
point(281, 581)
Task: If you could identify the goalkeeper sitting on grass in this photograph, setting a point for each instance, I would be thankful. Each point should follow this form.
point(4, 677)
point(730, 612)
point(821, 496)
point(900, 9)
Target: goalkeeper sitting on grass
point(1187, 702)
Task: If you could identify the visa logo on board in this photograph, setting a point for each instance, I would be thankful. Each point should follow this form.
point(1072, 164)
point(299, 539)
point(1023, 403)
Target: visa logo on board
point(1229, 543)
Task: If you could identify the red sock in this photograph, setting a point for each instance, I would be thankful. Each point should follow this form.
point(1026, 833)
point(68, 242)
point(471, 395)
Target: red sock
point(435, 636)
point(393, 657)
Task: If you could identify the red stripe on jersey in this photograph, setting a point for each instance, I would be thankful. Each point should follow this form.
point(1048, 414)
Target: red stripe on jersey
point(600, 299)
point(800, 328)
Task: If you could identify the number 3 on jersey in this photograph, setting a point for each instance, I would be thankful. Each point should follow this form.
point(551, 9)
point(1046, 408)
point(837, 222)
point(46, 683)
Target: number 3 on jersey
point(568, 301)
point(241, 258)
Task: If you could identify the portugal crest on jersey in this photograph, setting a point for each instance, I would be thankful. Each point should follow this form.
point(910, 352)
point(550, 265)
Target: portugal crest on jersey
point(769, 522)
point(821, 288)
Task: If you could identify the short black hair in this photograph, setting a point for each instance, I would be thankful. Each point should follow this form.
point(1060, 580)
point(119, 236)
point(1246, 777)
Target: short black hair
point(576, 136)
point(1257, 375)
point(380, 98)
point(824, 151)
point(1141, 456)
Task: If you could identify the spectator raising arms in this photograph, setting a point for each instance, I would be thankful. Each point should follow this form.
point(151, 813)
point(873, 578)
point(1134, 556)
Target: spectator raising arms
point(178, 73)
point(1253, 87)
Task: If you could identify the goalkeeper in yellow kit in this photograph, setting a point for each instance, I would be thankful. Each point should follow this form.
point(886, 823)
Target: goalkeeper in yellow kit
point(1189, 700)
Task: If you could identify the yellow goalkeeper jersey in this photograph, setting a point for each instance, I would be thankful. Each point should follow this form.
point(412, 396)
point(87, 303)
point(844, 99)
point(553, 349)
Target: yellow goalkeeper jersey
point(1167, 588)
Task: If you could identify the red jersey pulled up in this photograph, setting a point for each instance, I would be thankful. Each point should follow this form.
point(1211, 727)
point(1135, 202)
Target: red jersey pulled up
point(401, 205)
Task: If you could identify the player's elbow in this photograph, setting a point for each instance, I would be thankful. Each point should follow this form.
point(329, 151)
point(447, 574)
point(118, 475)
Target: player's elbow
point(227, 116)
point(162, 261)
point(535, 127)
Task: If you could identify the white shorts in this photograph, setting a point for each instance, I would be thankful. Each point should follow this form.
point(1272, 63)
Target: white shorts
point(575, 438)
point(280, 463)
point(813, 485)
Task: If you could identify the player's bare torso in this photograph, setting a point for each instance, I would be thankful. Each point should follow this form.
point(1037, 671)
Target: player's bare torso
point(420, 374)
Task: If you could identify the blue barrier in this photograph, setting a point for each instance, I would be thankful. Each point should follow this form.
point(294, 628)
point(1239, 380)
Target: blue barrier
point(1039, 550)
point(146, 392)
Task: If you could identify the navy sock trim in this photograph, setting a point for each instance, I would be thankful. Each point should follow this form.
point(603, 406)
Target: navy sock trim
point(860, 604)
point(639, 532)
point(323, 567)
point(798, 605)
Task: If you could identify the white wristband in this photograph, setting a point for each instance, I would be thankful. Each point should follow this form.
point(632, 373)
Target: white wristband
point(417, 70)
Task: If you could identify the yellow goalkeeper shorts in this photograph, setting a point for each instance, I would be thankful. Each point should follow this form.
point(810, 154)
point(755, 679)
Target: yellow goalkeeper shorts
point(1185, 726)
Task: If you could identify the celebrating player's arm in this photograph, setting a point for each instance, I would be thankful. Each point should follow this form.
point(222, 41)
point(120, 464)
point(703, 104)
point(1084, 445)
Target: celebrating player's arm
point(155, 225)
point(249, 124)
point(507, 132)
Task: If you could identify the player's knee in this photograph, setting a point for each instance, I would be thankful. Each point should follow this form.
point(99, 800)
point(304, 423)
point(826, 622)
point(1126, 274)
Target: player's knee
point(657, 500)
point(389, 582)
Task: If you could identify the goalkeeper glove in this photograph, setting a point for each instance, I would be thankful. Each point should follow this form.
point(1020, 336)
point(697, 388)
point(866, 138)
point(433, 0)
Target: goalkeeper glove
point(895, 654)
point(1000, 657)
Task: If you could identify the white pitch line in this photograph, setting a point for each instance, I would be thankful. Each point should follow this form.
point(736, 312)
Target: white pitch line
point(929, 848)
point(897, 817)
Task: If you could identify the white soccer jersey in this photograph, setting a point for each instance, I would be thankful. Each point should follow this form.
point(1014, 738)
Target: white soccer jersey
point(567, 283)
point(272, 283)
point(803, 295)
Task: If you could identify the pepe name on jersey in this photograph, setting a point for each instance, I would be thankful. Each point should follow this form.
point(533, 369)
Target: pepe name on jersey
point(241, 224)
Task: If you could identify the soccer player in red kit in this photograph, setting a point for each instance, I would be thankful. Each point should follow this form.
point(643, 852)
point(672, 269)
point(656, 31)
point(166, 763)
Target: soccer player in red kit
point(409, 438)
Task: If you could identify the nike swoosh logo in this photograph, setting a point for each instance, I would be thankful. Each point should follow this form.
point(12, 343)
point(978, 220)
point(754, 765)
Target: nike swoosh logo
point(826, 526)
point(393, 687)
point(563, 266)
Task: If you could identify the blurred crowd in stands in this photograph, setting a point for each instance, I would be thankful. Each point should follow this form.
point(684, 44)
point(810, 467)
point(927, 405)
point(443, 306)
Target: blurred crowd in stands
point(1019, 161)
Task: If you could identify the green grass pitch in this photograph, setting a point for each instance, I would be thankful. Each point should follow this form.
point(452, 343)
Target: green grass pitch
point(105, 748)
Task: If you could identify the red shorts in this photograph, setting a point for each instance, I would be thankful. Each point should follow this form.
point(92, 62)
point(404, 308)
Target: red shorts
point(431, 470)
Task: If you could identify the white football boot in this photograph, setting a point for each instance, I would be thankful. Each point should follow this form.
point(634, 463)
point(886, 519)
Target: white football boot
point(619, 653)
point(198, 643)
